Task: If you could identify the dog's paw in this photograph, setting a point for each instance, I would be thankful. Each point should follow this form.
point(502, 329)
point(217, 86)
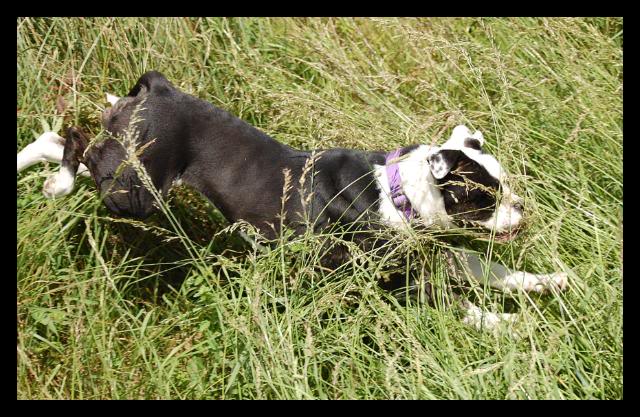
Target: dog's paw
point(560, 280)
point(497, 323)
point(522, 281)
point(58, 185)
point(487, 320)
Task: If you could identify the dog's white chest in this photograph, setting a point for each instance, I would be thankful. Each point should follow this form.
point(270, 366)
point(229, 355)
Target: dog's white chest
point(419, 186)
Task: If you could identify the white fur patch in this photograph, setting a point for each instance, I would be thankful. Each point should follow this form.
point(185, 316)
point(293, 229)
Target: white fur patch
point(59, 184)
point(47, 147)
point(456, 142)
point(458, 135)
point(485, 320)
point(524, 281)
point(504, 219)
point(439, 166)
point(418, 185)
point(112, 99)
point(83, 170)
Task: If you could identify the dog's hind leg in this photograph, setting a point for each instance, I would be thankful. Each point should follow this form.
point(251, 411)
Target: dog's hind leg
point(502, 278)
point(481, 320)
point(63, 181)
point(48, 147)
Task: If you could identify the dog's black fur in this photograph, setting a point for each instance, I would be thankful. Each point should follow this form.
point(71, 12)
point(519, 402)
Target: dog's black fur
point(238, 167)
point(241, 170)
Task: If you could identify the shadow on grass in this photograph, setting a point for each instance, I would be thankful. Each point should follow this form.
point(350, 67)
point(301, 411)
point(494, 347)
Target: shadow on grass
point(166, 262)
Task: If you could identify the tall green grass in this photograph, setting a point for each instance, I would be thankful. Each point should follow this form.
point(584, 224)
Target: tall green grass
point(182, 307)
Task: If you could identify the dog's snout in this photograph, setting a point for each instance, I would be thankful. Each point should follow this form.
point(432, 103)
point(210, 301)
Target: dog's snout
point(519, 206)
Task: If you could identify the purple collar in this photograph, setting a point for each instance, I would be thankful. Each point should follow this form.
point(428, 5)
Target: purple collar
point(399, 198)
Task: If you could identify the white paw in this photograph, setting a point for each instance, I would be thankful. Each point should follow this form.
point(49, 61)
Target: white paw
point(59, 184)
point(486, 320)
point(84, 171)
point(536, 283)
point(560, 280)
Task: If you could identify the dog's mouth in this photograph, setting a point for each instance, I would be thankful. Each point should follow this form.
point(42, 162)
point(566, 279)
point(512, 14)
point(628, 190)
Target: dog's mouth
point(506, 236)
point(500, 237)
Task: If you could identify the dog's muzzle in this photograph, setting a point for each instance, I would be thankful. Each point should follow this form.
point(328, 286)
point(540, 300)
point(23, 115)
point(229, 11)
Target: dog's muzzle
point(507, 236)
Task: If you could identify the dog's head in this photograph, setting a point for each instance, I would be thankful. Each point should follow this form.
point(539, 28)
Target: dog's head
point(474, 184)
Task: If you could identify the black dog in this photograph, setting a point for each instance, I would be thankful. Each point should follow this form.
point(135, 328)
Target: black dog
point(244, 172)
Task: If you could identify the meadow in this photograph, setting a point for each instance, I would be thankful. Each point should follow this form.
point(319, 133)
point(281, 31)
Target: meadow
point(182, 307)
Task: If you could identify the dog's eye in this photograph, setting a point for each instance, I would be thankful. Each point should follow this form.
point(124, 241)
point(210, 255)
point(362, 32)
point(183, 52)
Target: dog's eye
point(473, 144)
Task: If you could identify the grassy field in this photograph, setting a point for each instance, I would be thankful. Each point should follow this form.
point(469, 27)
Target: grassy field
point(181, 307)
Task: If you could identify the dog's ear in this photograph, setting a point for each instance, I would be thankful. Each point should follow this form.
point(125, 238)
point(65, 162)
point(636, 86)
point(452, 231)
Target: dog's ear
point(461, 137)
point(149, 81)
point(442, 162)
point(475, 141)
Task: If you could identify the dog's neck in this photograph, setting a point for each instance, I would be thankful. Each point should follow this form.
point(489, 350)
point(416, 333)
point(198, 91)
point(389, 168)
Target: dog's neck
point(420, 188)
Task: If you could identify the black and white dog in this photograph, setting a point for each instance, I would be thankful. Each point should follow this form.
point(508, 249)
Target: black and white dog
point(181, 138)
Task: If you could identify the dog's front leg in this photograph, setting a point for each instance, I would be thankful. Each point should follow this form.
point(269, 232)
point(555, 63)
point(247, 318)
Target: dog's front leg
point(502, 278)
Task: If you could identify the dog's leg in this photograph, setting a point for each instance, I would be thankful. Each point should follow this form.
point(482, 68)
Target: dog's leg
point(505, 279)
point(485, 320)
point(63, 181)
point(48, 147)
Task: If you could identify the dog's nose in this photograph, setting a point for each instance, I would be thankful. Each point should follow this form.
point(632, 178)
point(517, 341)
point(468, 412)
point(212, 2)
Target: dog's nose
point(519, 206)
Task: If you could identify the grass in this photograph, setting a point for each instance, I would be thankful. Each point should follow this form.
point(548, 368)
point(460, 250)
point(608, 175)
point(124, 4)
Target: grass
point(184, 308)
